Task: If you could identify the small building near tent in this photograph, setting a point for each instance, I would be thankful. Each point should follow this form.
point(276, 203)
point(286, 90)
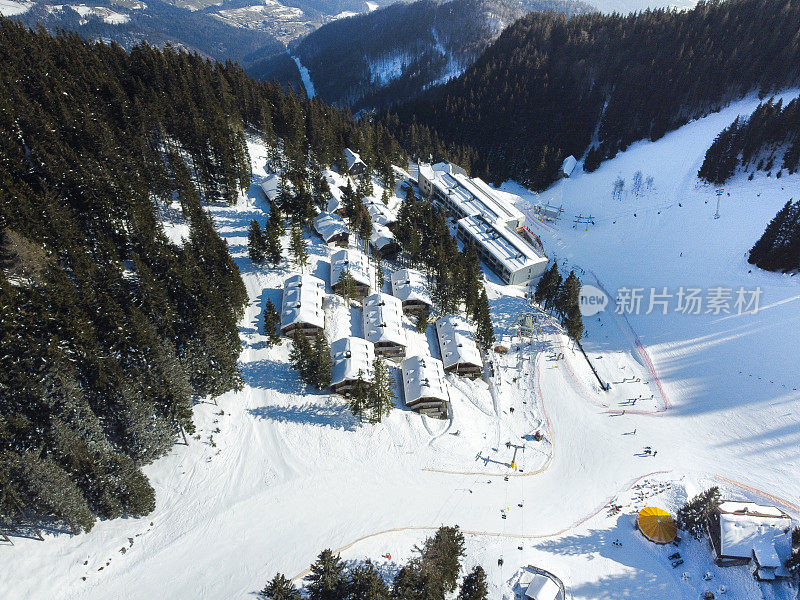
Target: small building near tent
point(332, 228)
point(352, 356)
point(425, 386)
point(356, 263)
point(568, 166)
point(457, 346)
point(301, 307)
point(656, 525)
point(355, 166)
point(543, 587)
point(410, 287)
point(747, 533)
point(383, 325)
point(383, 240)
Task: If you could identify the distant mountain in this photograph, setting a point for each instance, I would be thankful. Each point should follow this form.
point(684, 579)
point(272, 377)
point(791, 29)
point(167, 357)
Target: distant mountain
point(550, 87)
point(247, 31)
point(394, 53)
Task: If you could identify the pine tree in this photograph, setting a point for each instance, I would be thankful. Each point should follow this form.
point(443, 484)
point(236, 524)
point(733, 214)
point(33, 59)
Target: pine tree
point(297, 245)
point(365, 583)
point(380, 395)
point(693, 515)
point(485, 330)
point(256, 243)
point(323, 363)
point(272, 321)
point(301, 356)
point(421, 323)
point(359, 395)
point(573, 323)
point(327, 579)
point(569, 296)
point(474, 585)
point(280, 588)
point(346, 286)
point(273, 249)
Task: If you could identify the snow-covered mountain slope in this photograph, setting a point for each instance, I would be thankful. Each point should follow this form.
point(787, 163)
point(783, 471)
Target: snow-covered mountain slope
point(628, 6)
point(277, 474)
point(376, 62)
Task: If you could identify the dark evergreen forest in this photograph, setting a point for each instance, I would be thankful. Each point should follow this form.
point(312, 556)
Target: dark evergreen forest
point(110, 331)
point(767, 140)
point(552, 86)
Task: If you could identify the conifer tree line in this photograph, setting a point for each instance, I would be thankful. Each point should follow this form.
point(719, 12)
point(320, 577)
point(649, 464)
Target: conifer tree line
point(423, 232)
point(562, 296)
point(431, 574)
point(108, 329)
point(543, 89)
point(767, 140)
point(778, 248)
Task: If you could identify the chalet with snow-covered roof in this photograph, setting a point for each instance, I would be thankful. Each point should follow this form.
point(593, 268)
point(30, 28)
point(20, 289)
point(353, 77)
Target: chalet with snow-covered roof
point(332, 228)
point(425, 386)
point(383, 240)
point(354, 262)
point(747, 533)
point(355, 166)
point(412, 290)
point(543, 587)
point(383, 325)
point(352, 358)
point(301, 307)
point(460, 354)
point(271, 187)
point(379, 212)
point(506, 253)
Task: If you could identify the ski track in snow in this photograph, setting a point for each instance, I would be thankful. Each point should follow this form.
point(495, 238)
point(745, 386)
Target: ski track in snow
point(305, 76)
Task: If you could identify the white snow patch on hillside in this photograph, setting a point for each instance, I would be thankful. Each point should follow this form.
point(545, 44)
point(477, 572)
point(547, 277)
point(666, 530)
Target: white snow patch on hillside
point(12, 8)
point(254, 15)
point(305, 76)
point(628, 6)
point(384, 69)
point(371, 6)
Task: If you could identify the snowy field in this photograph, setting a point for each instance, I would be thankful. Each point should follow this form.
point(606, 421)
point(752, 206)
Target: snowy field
point(278, 473)
point(11, 8)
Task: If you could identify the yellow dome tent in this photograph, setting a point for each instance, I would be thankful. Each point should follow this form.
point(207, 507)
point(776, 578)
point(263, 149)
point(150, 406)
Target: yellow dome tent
point(656, 525)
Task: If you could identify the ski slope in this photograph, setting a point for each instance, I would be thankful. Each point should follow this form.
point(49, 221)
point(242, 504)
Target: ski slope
point(279, 473)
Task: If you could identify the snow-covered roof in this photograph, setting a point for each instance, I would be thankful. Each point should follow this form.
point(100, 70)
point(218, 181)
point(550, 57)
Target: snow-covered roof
point(425, 171)
point(747, 529)
point(383, 319)
point(302, 301)
point(381, 236)
point(568, 165)
point(457, 342)
point(379, 212)
point(330, 225)
point(423, 377)
point(271, 186)
point(351, 355)
point(510, 250)
point(542, 588)
point(350, 260)
point(488, 201)
point(410, 286)
point(352, 158)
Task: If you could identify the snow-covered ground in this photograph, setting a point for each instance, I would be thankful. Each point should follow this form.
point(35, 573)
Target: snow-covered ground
point(111, 17)
point(11, 8)
point(278, 473)
point(305, 76)
point(627, 6)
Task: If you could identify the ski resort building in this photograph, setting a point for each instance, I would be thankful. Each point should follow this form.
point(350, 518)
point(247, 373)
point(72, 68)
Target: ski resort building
point(410, 287)
point(383, 239)
point(424, 386)
point(463, 196)
point(506, 253)
point(745, 533)
point(356, 263)
point(383, 325)
point(352, 356)
point(379, 212)
point(355, 166)
point(457, 346)
point(542, 587)
point(301, 307)
point(332, 228)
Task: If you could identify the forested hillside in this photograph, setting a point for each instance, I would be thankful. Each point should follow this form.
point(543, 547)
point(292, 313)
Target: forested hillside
point(392, 54)
point(110, 330)
point(768, 140)
point(551, 86)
